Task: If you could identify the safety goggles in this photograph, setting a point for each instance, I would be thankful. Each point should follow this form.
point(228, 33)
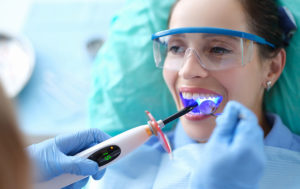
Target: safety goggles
point(213, 48)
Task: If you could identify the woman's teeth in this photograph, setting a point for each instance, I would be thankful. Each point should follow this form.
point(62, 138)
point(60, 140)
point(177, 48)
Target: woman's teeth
point(196, 96)
point(189, 99)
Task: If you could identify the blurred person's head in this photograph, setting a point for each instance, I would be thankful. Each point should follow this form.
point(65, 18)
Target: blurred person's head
point(14, 162)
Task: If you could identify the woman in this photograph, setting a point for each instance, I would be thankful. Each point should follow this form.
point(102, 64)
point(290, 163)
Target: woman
point(231, 50)
point(218, 65)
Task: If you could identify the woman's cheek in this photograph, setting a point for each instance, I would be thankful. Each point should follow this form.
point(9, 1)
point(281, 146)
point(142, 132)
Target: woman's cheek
point(170, 79)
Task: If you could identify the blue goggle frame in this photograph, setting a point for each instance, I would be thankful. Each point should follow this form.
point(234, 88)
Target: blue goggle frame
point(212, 30)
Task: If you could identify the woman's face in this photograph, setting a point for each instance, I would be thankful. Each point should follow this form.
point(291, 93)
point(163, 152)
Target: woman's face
point(243, 83)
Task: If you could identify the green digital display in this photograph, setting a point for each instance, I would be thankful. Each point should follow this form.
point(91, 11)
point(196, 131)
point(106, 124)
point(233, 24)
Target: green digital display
point(105, 155)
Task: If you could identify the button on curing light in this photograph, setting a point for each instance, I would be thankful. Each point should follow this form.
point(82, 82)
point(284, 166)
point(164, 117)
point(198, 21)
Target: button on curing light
point(113, 149)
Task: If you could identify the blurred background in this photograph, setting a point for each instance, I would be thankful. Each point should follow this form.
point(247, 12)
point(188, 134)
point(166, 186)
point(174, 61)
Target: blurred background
point(56, 42)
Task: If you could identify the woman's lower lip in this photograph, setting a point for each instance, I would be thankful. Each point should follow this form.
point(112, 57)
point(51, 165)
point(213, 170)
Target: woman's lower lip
point(194, 117)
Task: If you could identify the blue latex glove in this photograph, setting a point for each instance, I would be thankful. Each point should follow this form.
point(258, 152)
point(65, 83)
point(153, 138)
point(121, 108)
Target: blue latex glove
point(53, 157)
point(234, 155)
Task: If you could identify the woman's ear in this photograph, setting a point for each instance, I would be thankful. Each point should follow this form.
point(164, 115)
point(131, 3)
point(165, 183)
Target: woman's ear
point(274, 68)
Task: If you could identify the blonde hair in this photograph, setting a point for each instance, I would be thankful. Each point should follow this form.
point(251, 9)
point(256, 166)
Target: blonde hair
point(14, 162)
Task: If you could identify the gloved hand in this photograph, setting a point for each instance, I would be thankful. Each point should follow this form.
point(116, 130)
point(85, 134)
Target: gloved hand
point(234, 155)
point(54, 157)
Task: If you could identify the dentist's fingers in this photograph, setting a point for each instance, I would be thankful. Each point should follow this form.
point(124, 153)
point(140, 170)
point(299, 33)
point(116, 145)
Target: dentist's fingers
point(226, 123)
point(73, 143)
point(248, 129)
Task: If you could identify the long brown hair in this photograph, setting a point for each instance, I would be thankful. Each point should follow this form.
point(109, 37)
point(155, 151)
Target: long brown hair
point(14, 162)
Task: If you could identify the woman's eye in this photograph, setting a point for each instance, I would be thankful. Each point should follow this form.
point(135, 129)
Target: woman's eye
point(176, 49)
point(219, 50)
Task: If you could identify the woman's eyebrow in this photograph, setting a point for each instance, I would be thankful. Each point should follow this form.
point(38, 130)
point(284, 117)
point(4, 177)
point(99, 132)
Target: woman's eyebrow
point(210, 35)
point(180, 35)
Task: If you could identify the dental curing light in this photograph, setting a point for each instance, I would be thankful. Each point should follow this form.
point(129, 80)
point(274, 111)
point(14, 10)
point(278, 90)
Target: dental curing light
point(115, 148)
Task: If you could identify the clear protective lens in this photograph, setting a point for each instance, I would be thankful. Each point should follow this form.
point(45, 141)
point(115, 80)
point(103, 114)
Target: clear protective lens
point(212, 51)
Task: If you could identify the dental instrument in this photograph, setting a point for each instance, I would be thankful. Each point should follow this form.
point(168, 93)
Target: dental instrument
point(115, 148)
point(208, 107)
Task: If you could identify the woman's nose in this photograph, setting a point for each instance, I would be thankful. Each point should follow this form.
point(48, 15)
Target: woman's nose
point(191, 67)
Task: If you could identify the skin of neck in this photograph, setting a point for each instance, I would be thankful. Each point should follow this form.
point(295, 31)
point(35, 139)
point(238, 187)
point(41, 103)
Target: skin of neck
point(261, 116)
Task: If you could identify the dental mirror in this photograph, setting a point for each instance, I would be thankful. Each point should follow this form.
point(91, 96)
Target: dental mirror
point(208, 107)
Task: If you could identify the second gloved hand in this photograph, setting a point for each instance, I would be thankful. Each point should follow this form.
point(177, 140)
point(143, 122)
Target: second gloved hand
point(234, 155)
point(54, 157)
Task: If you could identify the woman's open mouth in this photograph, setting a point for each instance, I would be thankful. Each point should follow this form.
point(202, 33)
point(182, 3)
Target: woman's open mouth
point(208, 102)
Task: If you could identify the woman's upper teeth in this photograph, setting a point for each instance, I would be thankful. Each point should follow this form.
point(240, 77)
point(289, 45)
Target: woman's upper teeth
point(195, 96)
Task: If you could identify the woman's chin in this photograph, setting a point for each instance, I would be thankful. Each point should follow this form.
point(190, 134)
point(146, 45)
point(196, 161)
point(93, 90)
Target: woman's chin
point(200, 129)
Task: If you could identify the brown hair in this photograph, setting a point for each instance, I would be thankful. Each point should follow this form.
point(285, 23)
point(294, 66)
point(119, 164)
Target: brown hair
point(263, 20)
point(14, 163)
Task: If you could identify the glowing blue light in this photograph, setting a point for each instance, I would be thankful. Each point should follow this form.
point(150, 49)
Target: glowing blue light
point(205, 105)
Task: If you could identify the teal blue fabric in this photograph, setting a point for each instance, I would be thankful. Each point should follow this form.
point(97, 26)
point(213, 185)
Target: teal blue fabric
point(126, 81)
point(284, 98)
